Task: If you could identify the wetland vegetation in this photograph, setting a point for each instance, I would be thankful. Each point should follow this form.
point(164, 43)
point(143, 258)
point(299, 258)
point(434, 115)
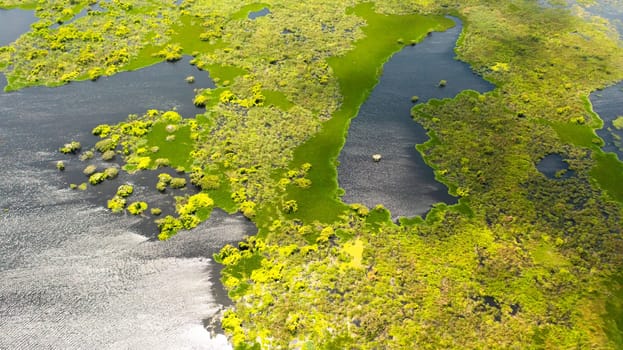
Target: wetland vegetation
point(522, 260)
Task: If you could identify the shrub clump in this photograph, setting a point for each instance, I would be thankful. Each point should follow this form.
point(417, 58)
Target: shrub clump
point(162, 162)
point(108, 155)
point(116, 204)
point(168, 227)
point(164, 180)
point(89, 170)
point(125, 190)
point(97, 178)
point(86, 155)
point(290, 207)
point(72, 147)
point(137, 208)
point(205, 182)
point(105, 145)
point(178, 182)
point(111, 172)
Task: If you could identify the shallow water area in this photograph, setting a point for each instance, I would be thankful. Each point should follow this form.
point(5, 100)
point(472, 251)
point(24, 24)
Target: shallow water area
point(75, 276)
point(608, 103)
point(401, 180)
point(85, 11)
point(14, 23)
point(612, 10)
point(261, 13)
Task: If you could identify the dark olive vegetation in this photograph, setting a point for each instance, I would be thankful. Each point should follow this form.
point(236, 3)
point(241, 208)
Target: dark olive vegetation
point(523, 261)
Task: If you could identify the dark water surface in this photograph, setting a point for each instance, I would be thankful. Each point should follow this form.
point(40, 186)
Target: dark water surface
point(401, 181)
point(608, 103)
point(75, 276)
point(13, 23)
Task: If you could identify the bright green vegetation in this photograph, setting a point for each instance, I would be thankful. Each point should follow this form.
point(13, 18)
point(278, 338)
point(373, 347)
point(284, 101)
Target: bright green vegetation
point(72, 147)
point(523, 261)
point(608, 171)
point(137, 208)
point(357, 72)
point(618, 123)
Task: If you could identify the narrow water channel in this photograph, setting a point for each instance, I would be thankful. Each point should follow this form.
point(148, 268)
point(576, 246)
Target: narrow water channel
point(608, 103)
point(401, 181)
point(72, 274)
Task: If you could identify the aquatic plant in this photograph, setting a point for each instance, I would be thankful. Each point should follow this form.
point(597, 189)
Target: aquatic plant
point(178, 182)
point(111, 172)
point(162, 162)
point(137, 208)
point(86, 155)
point(106, 145)
point(290, 207)
point(72, 147)
point(125, 190)
point(108, 155)
point(89, 170)
point(97, 178)
point(116, 204)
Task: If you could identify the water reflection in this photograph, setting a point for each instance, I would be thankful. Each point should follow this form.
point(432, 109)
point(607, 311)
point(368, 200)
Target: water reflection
point(75, 276)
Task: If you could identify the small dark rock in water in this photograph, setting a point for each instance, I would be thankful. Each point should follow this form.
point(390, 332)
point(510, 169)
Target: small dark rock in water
point(376, 157)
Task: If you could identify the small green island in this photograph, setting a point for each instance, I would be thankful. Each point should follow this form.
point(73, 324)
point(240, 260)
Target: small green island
point(521, 261)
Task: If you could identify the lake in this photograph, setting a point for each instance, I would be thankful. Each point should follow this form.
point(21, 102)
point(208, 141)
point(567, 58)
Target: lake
point(402, 181)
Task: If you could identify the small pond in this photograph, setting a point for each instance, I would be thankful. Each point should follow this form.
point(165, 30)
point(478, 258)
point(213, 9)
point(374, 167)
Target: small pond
point(554, 167)
point(261, 13)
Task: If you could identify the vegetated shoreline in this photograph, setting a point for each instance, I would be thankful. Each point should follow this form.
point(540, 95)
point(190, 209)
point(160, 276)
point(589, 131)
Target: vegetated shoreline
point(507, 259)
point(79, 257)
point(327, 141)
point(402, 181)
point(603, 103)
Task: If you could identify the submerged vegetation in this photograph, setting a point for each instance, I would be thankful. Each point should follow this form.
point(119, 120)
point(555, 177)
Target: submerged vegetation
point(523, 261)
